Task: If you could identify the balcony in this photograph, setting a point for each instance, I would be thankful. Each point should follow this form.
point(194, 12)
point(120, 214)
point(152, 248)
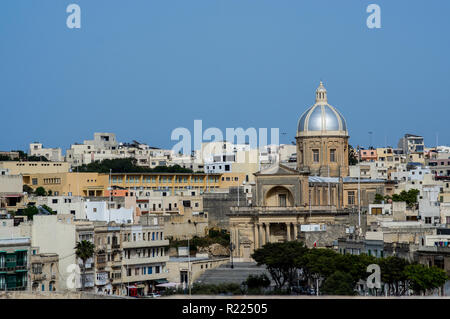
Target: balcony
point(145, 243)
point(146, 260)
point(303, 210)
point(144, 277)
point(38, 277)
point(101, 279)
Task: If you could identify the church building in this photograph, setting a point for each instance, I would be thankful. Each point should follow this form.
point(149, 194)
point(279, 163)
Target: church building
point(317, 190)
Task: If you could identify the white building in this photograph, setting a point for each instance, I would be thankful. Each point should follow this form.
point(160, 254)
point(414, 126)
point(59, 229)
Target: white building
point(52, 154)
point(99, 211)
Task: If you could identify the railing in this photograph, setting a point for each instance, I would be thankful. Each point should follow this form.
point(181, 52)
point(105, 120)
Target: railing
point(145, 243)
point(145, 260)
point(303, 209)
point(38, 277)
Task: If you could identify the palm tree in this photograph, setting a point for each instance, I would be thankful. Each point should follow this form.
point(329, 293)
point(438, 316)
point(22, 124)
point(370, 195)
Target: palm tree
point(84, 250)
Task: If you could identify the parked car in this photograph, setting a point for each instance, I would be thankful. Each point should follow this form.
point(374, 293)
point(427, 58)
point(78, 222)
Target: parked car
point(154, 295)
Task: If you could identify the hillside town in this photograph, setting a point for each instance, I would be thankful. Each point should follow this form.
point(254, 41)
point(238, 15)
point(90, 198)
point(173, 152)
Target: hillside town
point(130, 219)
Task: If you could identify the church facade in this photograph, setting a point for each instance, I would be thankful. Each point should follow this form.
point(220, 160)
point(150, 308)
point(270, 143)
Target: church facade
point(316, 191)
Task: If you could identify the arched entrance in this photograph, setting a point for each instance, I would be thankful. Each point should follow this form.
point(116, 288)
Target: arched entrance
point(279, 196)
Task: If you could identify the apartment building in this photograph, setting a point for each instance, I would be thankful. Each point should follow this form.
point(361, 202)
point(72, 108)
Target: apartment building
point(368, 155)
point(51, 154)
point(372, 170)
point(165, 181)
point(62, 204)
point(69, 183)
point(144, 257)
point(34, 167)
point(105, 146)
point(14, 263)
point(12, 196)
point(44, 271)
point(100, 211)
point(58, 234)
point(411, 144)
point(108, 258)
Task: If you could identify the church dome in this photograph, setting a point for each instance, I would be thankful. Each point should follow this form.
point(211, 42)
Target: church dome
point(322, 118)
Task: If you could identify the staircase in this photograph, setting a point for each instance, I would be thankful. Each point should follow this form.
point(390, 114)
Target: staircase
point(226, 274)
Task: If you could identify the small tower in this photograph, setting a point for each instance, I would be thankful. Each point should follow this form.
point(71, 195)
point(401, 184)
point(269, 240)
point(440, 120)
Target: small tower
point(322, 139)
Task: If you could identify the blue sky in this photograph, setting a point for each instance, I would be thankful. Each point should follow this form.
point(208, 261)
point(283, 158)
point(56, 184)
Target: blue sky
point(141, 68)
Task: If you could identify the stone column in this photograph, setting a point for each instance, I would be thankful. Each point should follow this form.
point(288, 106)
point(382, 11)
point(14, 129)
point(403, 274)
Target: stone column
point(268, 232)
point(288, 229)
point(295, 231)
point(256, 227)
point(263, 237)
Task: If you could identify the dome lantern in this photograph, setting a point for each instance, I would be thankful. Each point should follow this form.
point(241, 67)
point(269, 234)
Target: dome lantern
point(322, 118)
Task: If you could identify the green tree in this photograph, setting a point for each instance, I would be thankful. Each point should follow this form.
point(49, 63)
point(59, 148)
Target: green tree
point(30, 211)
point(27, 189)
point(339, 283)
point(422, 278)
point(84, 250)
point(255, 283)
point(393, 274)
point(281, 260)
point(40, 191)
point(378, 198)
point(410, 197)
point(127, 165)
point(319, 263)
point(352, 156)
point(48, 209)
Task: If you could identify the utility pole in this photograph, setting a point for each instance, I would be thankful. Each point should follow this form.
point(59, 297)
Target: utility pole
point(238, 190)
point(110, 196)
point(359, 191)
point(189, 268)
point(309, 203)
point(329, 191)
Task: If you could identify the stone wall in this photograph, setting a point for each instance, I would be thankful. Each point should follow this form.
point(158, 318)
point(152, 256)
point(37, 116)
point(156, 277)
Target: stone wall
point(55, 295)
point(217, 205)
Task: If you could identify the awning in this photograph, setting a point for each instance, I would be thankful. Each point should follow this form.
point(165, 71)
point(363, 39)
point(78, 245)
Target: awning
point(21, 250)
point(168, 285)
point(21, 270)
point(161, 281)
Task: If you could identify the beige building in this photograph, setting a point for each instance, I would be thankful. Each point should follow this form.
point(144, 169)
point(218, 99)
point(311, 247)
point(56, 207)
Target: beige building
point(178, 268)
point(58, 234)
point(12, 196)
point(316, 192)
point(51, 154)
point(26, 168)
point(44, 271)
point(69, 184)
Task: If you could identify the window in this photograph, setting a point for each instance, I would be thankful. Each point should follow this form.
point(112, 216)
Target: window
point(315, 156)
point(351, 197)
point(333, 155)
point(282, 200)
point(427, 220)
point(376, 211)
